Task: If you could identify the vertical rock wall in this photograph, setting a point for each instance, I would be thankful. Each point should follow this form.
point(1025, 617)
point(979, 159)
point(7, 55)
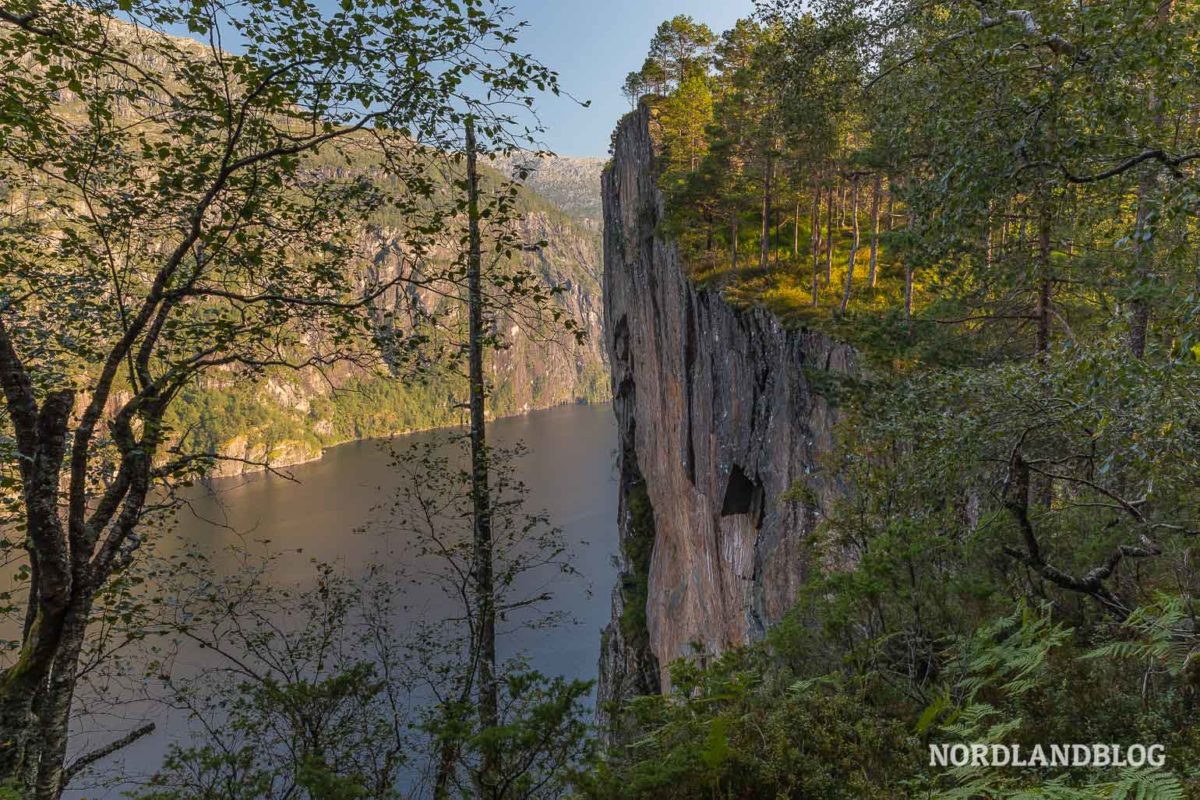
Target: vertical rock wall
point(717, 418)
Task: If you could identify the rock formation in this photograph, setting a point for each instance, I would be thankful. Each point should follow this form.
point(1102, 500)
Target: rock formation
point(718, 418)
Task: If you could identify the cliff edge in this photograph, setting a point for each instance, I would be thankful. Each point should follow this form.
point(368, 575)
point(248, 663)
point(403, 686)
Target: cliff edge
point(717, 418)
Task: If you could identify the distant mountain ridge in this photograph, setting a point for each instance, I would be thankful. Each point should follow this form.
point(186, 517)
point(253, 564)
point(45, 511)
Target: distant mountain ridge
point(570, 184)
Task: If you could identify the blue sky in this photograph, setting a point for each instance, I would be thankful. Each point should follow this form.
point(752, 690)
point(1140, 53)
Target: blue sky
point(593, 44)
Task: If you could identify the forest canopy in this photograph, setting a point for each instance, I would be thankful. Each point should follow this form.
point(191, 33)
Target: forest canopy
point(996, 204)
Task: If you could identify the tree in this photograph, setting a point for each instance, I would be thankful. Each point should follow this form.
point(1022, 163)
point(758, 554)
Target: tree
point(483, 554)
point(499, 285)
point(305, 693)
point(318, 690)
point(633, 88)
point(685, 116)
point(681, 48)
point(1022, 438)
point(872, 267)
point(526, 745)
point(851, 262)
point(169, 213)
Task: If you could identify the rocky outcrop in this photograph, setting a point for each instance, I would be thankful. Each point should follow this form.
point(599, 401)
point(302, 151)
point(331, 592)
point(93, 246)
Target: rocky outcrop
point(718, 417)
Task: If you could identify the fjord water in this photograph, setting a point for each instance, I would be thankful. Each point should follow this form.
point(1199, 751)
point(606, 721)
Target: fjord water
point(330, 513)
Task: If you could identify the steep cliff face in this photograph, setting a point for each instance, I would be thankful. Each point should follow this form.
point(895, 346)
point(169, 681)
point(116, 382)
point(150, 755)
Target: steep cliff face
point(289, 417)
point(717, 417)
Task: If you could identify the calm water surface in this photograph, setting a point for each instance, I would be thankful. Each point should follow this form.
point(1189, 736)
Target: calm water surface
point(568, 471)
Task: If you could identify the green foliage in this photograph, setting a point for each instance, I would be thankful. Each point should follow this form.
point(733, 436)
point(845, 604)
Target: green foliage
point(303, 696)
point(1159, 636)
point(320, 718)
point(536, 746)
point(1020, 438)
point(678, 54)
point(638, 548)
point(251, 416)
point(185, 218)
point(741, 727)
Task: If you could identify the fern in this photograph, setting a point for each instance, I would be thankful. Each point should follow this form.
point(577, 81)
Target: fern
point(1142, 784)
point(1133, 784)
point(1010, 652)
point(1164, 635)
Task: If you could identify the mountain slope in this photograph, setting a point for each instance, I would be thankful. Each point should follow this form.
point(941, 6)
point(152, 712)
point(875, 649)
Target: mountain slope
point(289, 417)
point(569, 184)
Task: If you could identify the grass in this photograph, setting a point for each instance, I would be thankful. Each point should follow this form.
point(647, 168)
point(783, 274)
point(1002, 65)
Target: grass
point(784, 287)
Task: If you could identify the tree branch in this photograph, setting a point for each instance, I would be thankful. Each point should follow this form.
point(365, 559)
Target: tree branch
point(87, 759)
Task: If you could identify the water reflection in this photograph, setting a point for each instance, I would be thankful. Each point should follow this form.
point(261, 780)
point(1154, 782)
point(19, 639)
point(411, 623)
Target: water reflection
point(331, 513)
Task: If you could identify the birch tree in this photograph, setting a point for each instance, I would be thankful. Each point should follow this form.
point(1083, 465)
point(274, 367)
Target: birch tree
point(174, 207)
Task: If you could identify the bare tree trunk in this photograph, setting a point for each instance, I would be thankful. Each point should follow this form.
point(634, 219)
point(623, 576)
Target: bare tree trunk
point(796, 232)
point(485, 593)
point(987, 239)
point(1044, 298)
point(733, 241)
point(829, 201)
point(1139, 315)
point(1004, 229)
point(1139, 321)
point(54, 714)
point(893, 182)
point(875, 198)
point(908, 290)
point(853, 246)
point(776, 247)
point(891, 207)
point(41, 438)
point(815, 242)
point(765, 240)
point(818, 192)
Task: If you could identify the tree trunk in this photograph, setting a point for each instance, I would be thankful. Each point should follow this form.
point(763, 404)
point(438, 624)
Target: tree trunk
point(829, 201)
point(814, 236)
point(875, 198)
point(891, 207)
point(1042, 312)
point(765, 240)
point(818, 192)
point(987, 238)
point(796, 232)
point(853, 246)
point(776, 248)
point(41, 436)
point(485, 594)
point(54, 713)
point(733, 241)
point(1139, 320)
point(908, 290)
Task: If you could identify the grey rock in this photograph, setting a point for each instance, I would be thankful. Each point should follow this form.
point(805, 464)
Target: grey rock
point(718, 415)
